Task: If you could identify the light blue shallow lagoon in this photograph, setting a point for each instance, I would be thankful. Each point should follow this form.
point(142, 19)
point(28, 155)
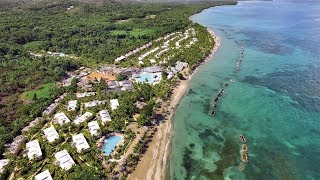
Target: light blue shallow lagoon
point(110, 144)
point(274, 102)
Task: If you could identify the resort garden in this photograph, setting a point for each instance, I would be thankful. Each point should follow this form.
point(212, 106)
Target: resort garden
point(92, 161)
point(126, 105)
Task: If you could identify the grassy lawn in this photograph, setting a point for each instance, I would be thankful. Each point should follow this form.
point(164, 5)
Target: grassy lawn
point(141, 32)
point(42, 92)
point(118, 32)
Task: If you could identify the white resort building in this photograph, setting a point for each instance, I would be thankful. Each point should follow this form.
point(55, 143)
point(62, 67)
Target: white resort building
point(104, 116)
point(72, 105)
point(33, 150)
point(45, 175)
point(83, 117)
point(85, 94)
point(93, 128)
point(64, 159)
point(51, 134)
point(61, 118)
point(114, 103)
point(93, 103)
point(80, 142)
point(3, 163)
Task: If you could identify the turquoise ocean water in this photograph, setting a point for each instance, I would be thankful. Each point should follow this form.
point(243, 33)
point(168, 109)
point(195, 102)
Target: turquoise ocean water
point(275, 101)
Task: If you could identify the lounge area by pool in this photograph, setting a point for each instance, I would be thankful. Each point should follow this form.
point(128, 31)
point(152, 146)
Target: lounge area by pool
point(110, 144)
point(151, 78)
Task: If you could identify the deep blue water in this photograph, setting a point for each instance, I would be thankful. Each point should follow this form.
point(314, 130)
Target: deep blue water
point(275, 101)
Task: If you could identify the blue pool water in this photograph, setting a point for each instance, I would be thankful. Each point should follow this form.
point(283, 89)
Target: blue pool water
point(110, 144)
point(275, 101)
point(146, 77)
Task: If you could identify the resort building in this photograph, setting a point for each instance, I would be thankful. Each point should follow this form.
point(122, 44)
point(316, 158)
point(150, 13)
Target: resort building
point(50, 109)
point(45, 175)
point(105, 75)
point(15, 146)
point(114, 103)
point(152, 69)
point(86, 94)
point(3, 163)
point(51, 134)
point(104, 116)
point(61, 118)
point(31, 124)
point(93, 128)
point(179, 66)
point(64, 159)
point(112, 84)
point(72, 105)
point(131, 71)
point(93, 103)
point(125, 85)
point(148, 53)
point(33, 150)
point(80, 142)
point(121, 58)
point(83, 117)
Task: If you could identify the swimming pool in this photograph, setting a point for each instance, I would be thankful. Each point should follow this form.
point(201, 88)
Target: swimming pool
point(148, 77)
point(110, 144)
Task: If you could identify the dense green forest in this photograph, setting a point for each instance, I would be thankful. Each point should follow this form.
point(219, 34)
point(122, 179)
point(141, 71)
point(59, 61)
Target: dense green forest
point(96, 33)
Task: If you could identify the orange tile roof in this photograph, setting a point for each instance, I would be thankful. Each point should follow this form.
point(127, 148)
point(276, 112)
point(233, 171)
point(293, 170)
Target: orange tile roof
point(107, 76)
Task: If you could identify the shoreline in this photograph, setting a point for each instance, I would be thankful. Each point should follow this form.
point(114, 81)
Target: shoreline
point(154, 164)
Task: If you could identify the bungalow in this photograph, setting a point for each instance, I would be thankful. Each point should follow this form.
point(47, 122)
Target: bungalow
point(51, 134)
point(61, 118)
point(72, 105)
point(130, 71)
point(121, 58)
point(80, 142)
point(180, 65)
point(112, 84)
point(64, 159)
point(148, 53)
point(60, 98)
point(93, 128)
point(45, 175)
point(86, 94)
point(31, 124)
point(93, 103)
point(83, 117)
point(15, 145)
point(104, 116)
point(125, 85)
point(3, 162)
point(152, 61)
point(50, 109)
point(33, 150)
point(114, 104)
point(152, 69)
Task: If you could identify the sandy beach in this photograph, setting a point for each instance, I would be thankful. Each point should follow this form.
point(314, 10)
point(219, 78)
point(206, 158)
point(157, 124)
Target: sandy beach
point(154, 165)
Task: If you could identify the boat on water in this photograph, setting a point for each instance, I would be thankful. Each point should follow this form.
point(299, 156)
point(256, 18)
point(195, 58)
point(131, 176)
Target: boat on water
point(242, 138)
point(233, 80)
